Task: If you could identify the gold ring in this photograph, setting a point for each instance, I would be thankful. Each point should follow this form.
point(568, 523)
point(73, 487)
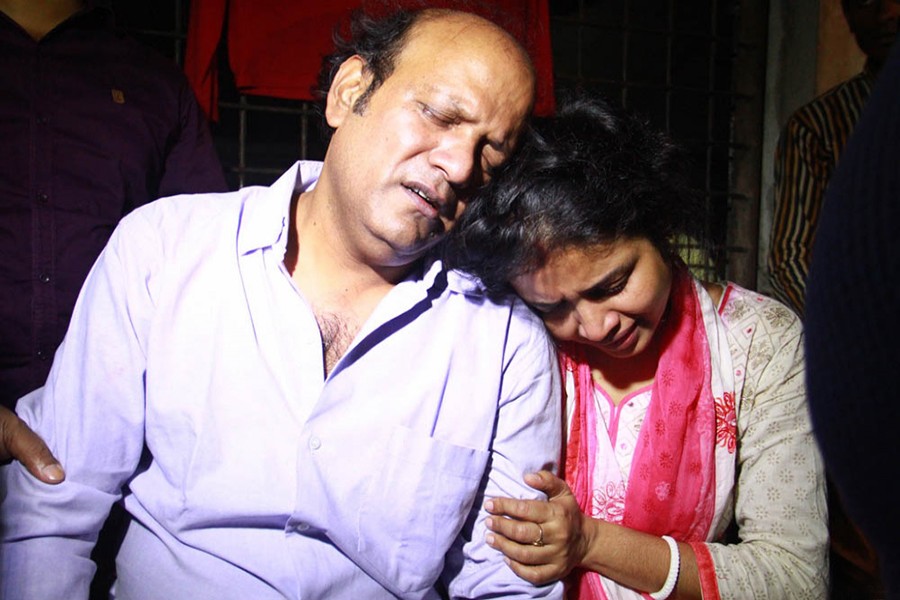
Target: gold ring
point(540, 540)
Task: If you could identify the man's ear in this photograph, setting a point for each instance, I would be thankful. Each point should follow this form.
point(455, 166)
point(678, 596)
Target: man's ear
point(348, 85)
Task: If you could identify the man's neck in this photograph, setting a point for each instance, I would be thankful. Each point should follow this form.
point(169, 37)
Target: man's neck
point(330, 276)
point(342, 289)
point(39, 17)
point(319, 252)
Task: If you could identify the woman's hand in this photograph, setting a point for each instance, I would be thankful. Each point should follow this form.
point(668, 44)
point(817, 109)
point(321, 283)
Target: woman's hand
point(542, 540)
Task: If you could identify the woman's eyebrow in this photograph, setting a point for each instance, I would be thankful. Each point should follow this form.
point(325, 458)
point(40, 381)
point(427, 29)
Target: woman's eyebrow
point(608, 280)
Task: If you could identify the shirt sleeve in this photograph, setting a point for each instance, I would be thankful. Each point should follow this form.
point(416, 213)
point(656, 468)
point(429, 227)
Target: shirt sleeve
point(192, 164)
point(780, 507)
point(801, 175)
point(527, 438)
point(90, 412)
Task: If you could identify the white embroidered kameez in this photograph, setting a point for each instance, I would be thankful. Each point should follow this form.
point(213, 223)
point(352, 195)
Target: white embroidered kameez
point(769, 475)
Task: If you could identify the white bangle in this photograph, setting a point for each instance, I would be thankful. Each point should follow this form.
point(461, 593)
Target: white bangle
point(674, 566)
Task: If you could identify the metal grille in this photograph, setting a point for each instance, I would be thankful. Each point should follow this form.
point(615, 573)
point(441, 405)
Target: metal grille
point(671, 61)
point(257, 137)
point(681, 63)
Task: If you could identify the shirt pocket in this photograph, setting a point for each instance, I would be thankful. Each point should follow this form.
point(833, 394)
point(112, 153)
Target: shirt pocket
point(413, 510)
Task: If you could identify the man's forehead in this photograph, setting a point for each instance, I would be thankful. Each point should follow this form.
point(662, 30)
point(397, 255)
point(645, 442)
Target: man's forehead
point(449, 30)
point(462, 41)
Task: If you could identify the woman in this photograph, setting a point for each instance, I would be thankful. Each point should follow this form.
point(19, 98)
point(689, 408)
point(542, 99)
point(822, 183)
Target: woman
point(690, 468)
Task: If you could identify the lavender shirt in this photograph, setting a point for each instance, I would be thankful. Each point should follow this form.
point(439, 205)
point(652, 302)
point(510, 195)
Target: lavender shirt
point(92, 124)
point(262, 478)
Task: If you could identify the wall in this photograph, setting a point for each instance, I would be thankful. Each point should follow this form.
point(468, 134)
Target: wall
point(810, 50)
point(791, 75)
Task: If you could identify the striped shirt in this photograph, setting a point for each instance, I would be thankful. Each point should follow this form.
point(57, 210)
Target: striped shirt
point(808, 149)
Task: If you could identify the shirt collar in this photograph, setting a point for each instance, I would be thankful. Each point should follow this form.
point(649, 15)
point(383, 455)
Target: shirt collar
point(265, 216)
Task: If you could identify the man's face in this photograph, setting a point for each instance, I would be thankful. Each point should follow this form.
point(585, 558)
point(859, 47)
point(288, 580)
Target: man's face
point(401, 172)
point(874, 24)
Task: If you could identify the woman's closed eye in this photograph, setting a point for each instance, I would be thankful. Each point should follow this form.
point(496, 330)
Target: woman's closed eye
point(605, 290)
point(549, 311)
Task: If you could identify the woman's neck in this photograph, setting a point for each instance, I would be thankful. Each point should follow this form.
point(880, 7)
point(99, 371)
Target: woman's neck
point(620, 377)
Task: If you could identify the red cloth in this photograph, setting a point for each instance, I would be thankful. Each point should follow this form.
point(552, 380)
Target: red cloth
point(275, 47)
point(709, 585)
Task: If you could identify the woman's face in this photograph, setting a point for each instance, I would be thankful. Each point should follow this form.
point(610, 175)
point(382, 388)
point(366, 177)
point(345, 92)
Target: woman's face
point(608, 296)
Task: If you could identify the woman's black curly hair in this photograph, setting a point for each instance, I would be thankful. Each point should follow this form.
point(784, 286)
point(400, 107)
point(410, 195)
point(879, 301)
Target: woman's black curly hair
point(590, 175)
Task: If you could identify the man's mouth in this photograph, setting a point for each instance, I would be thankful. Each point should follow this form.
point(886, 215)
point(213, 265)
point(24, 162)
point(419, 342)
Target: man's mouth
point(424, 197)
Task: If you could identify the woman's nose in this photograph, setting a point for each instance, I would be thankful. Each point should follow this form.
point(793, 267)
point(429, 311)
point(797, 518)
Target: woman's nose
point(595, 323)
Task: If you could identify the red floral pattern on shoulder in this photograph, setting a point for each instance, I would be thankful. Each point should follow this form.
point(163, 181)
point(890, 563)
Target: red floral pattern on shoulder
point(726, 422)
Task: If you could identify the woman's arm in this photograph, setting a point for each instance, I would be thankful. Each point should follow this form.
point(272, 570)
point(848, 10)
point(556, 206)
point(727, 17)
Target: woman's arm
point(780, 506)
point(571, 539)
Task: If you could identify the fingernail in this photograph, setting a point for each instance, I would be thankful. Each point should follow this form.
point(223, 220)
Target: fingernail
point(489, 504)
point(53, 472)
point(489, 539)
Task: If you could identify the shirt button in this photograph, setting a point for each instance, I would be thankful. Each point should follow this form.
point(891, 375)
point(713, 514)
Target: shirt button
point(42, 198)
point(302, 526)
point(43, 354)
point(315, 443)
point(45, 278)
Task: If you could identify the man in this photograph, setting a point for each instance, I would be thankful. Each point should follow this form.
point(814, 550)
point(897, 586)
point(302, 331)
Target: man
point(812, 142)
point(299, 400)
point(852, 326)
point(94, 124)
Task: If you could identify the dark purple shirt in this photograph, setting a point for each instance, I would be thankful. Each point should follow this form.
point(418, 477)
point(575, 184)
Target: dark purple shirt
point(92, 125)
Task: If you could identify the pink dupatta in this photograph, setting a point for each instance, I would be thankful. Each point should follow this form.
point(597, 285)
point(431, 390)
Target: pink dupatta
point(671, 487)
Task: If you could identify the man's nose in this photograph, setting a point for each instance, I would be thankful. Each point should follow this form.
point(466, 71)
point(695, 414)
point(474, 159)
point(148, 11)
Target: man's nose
point(455, 156)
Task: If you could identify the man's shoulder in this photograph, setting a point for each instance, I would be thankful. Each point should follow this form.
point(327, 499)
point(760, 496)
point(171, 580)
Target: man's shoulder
point(251, 218)
point(508, 306)
point(845, 97)
point(184, 222)
point(470, 286)
point(190, 208)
